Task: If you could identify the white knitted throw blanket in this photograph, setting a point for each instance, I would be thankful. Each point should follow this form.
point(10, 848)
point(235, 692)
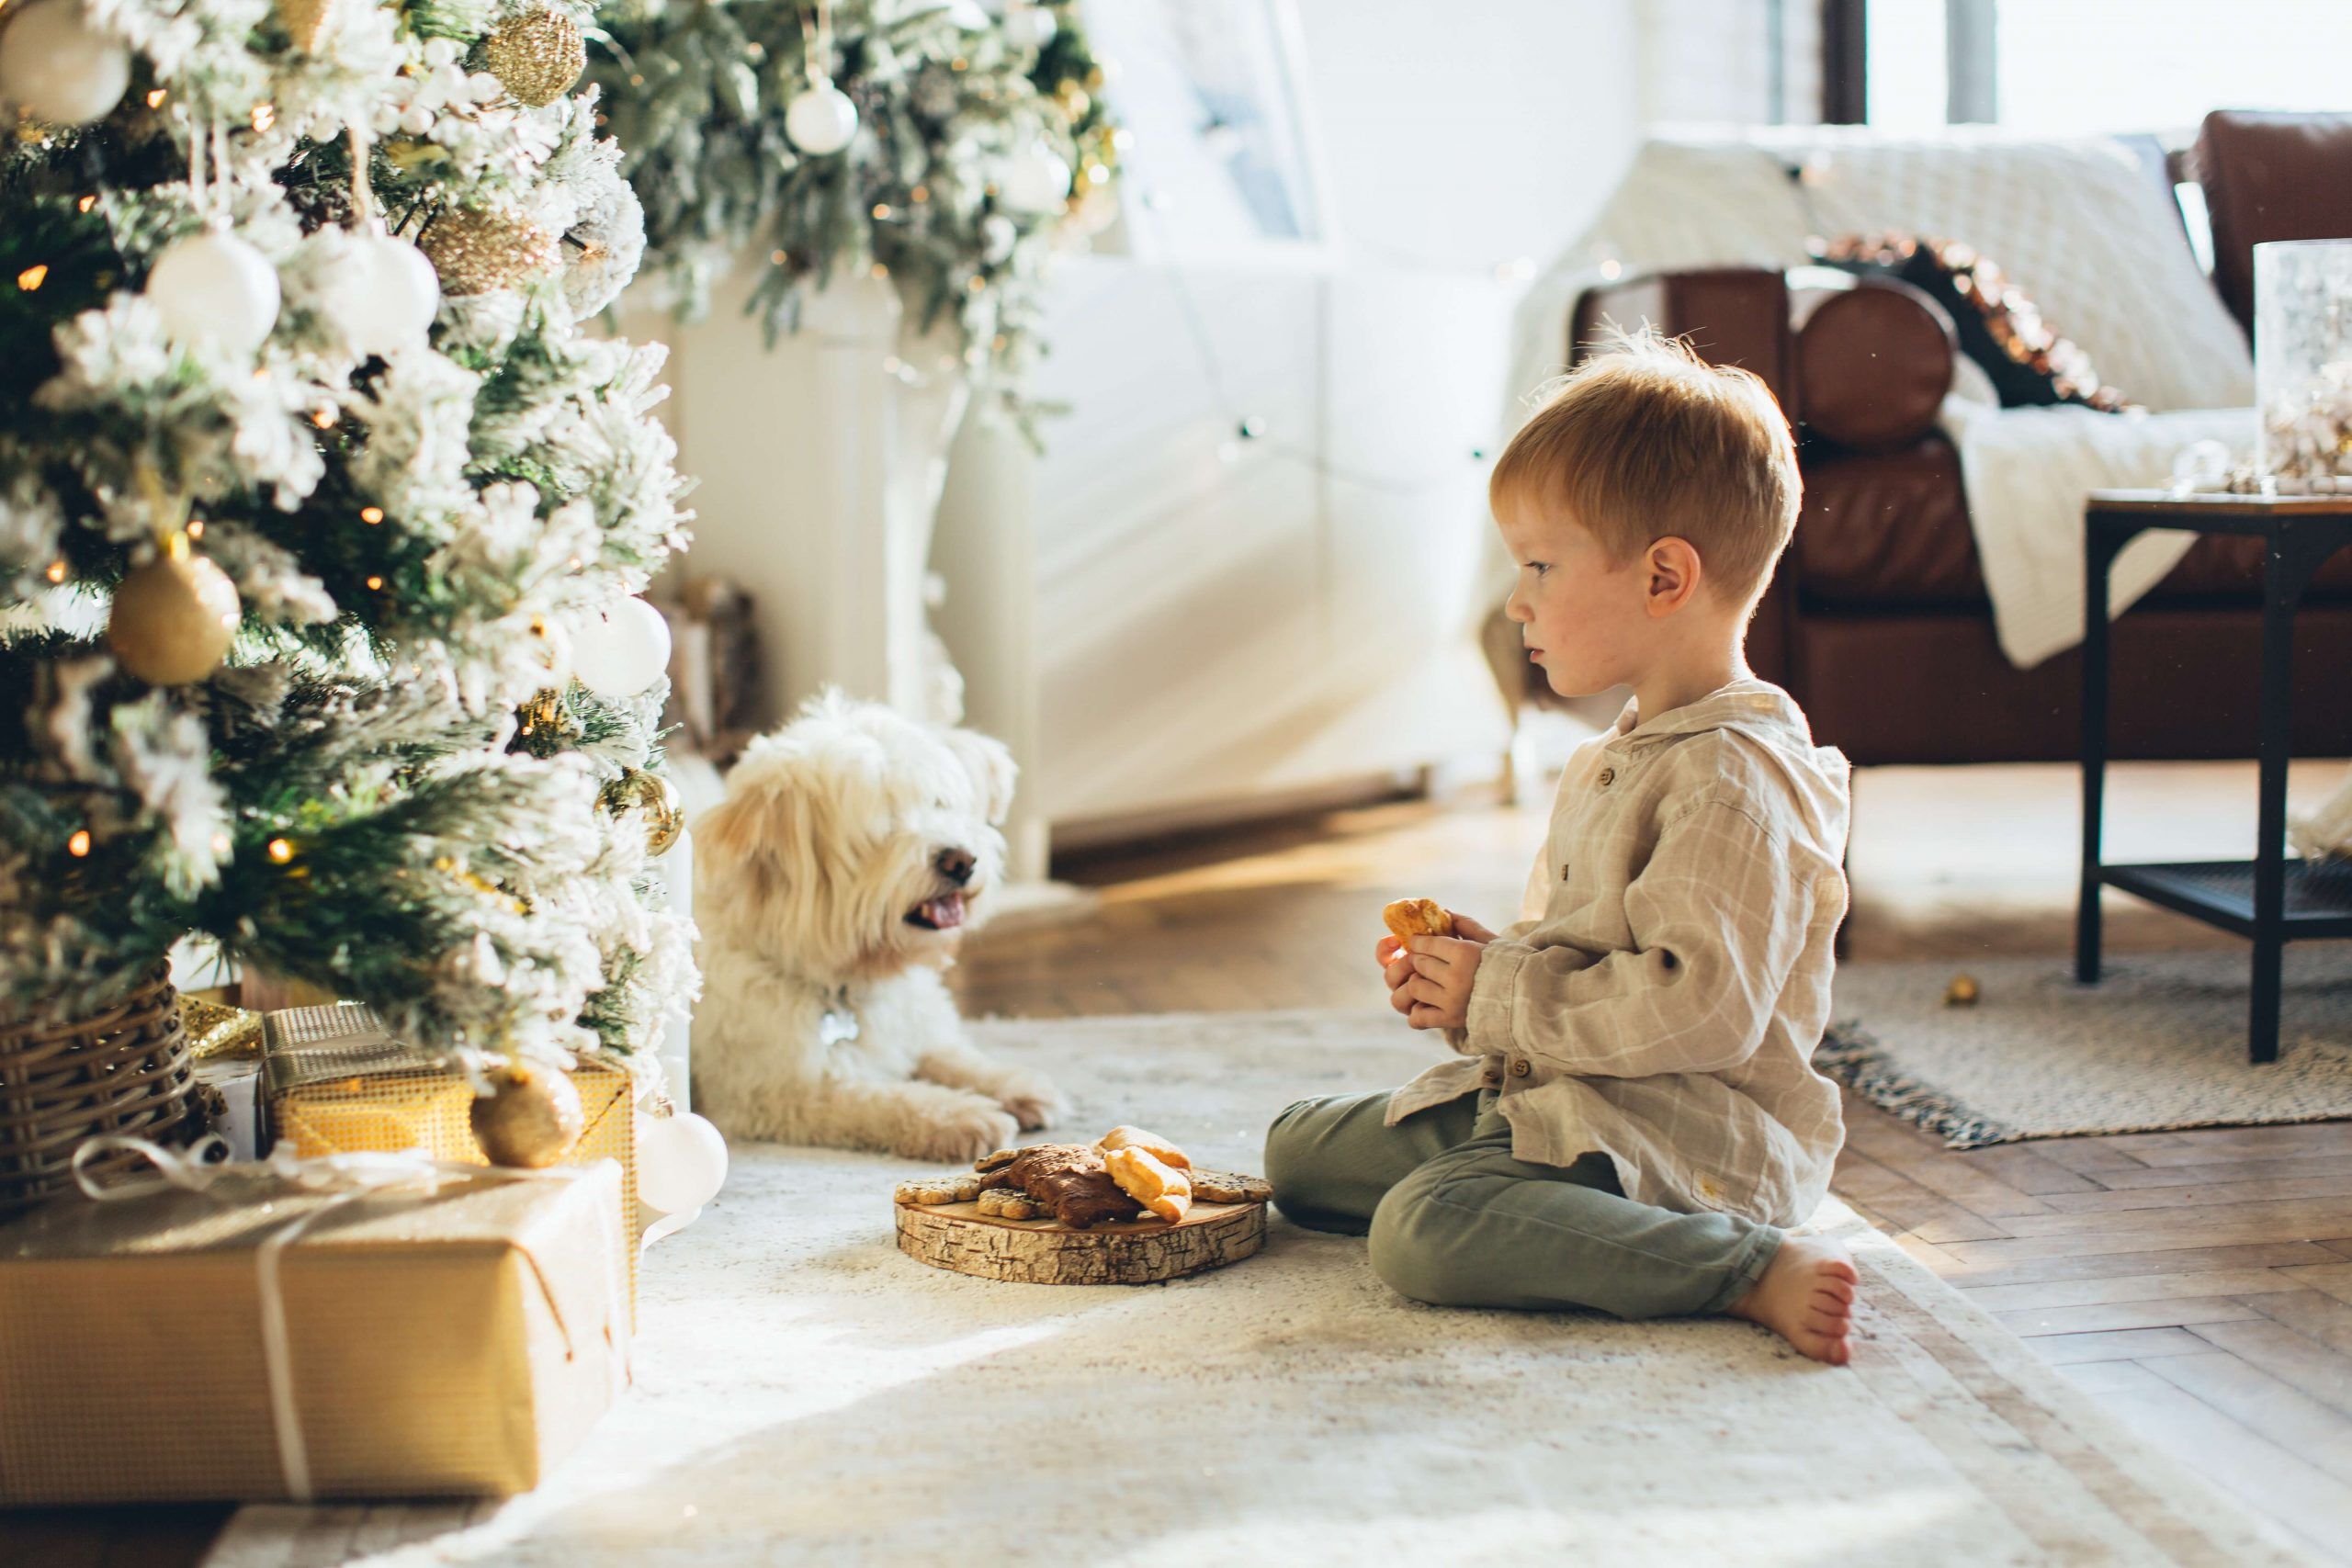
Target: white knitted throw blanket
point(2078, 226)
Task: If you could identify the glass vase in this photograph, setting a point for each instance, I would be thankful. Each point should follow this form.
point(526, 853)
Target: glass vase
point(2302, 359)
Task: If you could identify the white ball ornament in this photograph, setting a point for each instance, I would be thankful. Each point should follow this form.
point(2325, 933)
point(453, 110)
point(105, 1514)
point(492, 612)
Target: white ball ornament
point(622, 651)
point(56, 67)
point(820, 120)
point(390, 295)
point(215, 288)
point(680, 1163)
point(1030, 26)
point(1035, 180)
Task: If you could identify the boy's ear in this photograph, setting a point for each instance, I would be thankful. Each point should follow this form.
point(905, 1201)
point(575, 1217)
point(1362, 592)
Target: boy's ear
point(1673, 569)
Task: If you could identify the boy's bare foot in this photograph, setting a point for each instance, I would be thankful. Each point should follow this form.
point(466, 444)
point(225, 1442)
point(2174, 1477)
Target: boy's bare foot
point(1807, 1297)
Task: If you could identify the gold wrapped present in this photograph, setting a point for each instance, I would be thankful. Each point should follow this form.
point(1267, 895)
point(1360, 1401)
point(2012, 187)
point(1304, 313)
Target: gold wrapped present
point(334, 1082)
point(374, 1327)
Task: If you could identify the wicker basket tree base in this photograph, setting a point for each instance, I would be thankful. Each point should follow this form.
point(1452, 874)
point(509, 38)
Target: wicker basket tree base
point(64, 1080)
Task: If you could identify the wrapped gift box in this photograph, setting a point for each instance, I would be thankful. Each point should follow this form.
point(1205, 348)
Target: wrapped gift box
point(334, 1082)
point(445, 1339)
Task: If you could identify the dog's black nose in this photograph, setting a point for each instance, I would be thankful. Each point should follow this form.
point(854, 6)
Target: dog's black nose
point(955, 866)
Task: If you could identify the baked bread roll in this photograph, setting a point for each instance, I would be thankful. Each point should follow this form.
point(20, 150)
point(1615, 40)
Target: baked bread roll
point(1157, 1185)
point(1153, 1144)
point(1410, 918)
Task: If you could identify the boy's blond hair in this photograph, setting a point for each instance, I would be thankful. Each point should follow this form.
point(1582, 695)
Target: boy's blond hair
point(1646, 440)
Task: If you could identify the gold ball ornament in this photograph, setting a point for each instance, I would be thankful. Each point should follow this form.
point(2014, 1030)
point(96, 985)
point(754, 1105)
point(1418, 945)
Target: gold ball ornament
point(531, 1117)
point(306, 22)
point(173, 618)
point(1962, 992)
point(476, 250)
point(537, 56)
point(657, 798)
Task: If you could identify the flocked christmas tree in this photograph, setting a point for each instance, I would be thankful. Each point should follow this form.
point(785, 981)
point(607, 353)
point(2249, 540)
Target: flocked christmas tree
point(321, 515)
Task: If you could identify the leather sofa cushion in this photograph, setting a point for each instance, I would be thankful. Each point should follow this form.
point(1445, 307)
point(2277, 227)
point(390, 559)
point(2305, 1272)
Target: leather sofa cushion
point(1873, 362)
point(2270, 177)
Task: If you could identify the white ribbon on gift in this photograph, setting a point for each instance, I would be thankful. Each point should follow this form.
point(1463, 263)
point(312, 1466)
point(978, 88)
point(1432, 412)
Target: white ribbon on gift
point(344, 1178)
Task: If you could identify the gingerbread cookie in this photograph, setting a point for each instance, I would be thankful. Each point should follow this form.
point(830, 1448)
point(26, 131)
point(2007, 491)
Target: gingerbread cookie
point(1011, 1203)
point(1224, 1187)
point(935, 1190)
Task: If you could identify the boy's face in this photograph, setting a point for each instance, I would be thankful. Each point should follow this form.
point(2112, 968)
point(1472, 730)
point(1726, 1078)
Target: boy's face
point(1582, 617)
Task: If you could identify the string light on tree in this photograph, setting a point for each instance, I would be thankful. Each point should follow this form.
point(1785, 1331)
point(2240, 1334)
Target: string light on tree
point(57, 66)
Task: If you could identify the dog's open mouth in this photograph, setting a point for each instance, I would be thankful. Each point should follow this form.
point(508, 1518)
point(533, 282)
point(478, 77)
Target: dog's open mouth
point(940, 914)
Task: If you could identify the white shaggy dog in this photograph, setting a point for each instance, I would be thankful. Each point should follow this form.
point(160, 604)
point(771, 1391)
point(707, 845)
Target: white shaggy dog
point(833, 885)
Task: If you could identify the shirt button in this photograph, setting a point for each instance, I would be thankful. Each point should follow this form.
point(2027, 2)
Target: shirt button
point(1521, 1067)
point(1608, 777)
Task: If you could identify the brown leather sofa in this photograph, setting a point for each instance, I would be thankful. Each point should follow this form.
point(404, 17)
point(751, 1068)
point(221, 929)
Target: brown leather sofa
point(1877, 620)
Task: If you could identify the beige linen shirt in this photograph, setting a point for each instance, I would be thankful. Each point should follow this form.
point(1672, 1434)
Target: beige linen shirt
point(1661, 997)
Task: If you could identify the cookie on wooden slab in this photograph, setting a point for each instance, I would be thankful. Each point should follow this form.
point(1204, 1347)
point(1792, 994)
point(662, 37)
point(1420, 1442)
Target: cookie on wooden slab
point(935, 1190)
point(1011, 1203)
point(1225, 1187)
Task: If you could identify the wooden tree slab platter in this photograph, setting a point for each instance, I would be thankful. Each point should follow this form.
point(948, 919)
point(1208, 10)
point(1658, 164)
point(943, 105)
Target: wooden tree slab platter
point(1046, 1252)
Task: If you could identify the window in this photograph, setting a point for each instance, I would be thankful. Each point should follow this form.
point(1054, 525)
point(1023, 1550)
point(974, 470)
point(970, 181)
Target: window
point(2078, 67)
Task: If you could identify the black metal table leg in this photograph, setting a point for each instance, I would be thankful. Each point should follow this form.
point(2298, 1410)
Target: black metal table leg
point(2288, 557)
point(2101, 540)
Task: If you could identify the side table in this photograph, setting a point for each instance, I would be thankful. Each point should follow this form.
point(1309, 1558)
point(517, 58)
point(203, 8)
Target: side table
point(2271, 899)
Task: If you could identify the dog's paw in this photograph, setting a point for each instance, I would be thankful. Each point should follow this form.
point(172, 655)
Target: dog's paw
point(961, 1134)
point(1034, 1102)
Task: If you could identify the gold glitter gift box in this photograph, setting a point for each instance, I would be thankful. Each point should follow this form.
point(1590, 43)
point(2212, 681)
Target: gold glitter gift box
point(334, 1082)
point(261, 1338)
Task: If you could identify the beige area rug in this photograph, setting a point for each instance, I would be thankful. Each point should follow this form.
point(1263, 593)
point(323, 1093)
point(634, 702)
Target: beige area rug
point(808, 1396)
point(2159, 1042)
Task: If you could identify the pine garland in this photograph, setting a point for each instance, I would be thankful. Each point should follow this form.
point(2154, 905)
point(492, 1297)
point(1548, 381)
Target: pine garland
point(945, 98)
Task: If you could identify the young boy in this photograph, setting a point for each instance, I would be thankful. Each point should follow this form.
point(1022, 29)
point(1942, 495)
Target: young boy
point(1632, 1114)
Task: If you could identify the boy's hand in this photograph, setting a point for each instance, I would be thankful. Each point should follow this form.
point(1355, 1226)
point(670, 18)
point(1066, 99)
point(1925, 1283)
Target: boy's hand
point(1396, 964)
point(1416, 975)
point(1437, 993)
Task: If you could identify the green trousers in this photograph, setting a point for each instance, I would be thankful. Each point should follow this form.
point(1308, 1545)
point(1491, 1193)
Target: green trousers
point(1455, 1221)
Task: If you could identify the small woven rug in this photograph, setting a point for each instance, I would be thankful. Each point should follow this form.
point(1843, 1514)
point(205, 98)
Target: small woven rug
point(2160, 1043)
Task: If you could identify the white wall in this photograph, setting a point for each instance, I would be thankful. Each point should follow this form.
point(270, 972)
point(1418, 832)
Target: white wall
point(1221, 627)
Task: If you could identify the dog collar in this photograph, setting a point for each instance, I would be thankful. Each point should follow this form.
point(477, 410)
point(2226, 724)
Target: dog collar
point(839, 1021)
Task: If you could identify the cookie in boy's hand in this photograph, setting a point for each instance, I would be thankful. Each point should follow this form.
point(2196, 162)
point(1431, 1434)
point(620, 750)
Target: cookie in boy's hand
point(1410, 918)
